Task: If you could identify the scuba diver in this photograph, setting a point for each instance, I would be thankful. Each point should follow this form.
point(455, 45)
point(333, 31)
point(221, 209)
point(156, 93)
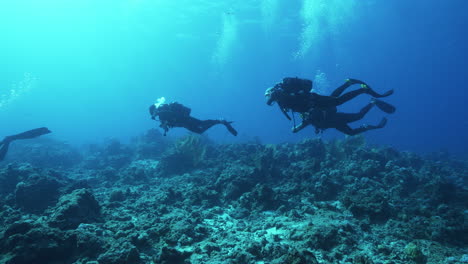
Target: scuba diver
point(5, 143)
point(177, 115)
point(323, 119)
point(294, 95)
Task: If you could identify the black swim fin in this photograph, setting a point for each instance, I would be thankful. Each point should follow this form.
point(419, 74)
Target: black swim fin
point(388, 93)
point(377, 95)
point(4, 149)
point(33, 133)
point(384, 106)
point(382, 123)
point(230, 128)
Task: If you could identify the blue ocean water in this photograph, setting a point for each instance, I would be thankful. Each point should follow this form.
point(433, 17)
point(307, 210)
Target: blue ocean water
point(88, 70)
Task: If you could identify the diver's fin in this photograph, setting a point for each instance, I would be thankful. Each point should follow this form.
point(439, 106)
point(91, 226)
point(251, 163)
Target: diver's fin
point(230, 128)
point(384, 106)
point(388, 93)
point(375, 94)
point(25, 135)
point(33, 133)
point(4, 149)
point(382, 123)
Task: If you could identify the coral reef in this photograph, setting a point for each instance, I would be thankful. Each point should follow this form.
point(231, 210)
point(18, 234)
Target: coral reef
point(186, 153)
point(194, 201)
point(44, 152)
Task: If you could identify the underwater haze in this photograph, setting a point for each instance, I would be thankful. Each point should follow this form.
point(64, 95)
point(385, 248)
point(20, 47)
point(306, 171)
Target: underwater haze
point(88, 70)
point(108, 187)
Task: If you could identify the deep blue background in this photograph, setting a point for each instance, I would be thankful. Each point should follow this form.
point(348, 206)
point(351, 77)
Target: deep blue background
point(100, 65)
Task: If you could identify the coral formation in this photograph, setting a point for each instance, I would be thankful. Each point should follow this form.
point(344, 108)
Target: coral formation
point(192, 201)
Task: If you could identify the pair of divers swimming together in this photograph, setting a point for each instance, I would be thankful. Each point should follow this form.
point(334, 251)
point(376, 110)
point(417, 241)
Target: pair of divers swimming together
point(292, 94)
point(320, 111)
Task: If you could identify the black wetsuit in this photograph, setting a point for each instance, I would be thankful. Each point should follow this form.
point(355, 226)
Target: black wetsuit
point(324, 118)
point(5, 143)
point(177, 115)
point(302, 103)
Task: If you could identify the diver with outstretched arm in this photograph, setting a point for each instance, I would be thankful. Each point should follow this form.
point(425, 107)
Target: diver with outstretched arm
point(33, 133)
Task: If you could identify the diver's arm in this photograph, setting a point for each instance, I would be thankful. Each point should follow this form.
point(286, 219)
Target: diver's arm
point(299, 127)
point(165, 127)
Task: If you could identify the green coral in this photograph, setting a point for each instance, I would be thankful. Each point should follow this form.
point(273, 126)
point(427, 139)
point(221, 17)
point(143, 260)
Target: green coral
point(414, 253)
point(193, 147)
point(187, 153)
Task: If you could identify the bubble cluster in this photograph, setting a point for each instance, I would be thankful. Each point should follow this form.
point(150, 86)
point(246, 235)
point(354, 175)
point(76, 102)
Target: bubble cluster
point(320, 18)
point(269, 10)
point(17, 90)
point(321, 83)
point(226, 40)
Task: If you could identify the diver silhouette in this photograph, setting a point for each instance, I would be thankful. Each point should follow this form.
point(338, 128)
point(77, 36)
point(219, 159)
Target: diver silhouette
point(323, 119)
point(294, 94)
point(177, 115)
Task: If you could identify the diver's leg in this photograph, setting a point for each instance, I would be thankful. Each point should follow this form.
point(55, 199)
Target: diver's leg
point(349, 95)
point(206, 124)
point(373, 93)
point(365, 90)
point(381, 124)
point(349, 131)
point(209, 123)
point(370, 90)
point(348, 82)
point(352, 117)
point(338, 91)
point(200, 126)
point(346, 130)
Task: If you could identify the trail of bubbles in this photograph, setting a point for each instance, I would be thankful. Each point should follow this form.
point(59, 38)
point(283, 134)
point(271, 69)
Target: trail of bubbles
point(18, 89)
point(269, 10)
point(226, 40)
point(311, 13)
point(321, 17)
point(321, 83)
